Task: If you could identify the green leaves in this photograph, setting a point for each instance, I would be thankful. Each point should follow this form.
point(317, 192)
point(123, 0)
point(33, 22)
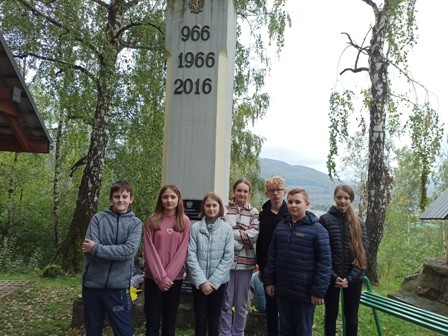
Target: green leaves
point(426, 135)
point(98, 72)
point(341, 107)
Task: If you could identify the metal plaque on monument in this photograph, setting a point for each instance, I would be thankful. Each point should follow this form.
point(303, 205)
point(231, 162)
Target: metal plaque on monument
point(200, 44)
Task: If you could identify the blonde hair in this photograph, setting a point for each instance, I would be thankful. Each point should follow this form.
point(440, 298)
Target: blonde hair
point(274, 180)
point(354, 226)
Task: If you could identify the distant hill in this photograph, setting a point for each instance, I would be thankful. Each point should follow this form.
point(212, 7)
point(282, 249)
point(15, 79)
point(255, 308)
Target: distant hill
point(318, 185)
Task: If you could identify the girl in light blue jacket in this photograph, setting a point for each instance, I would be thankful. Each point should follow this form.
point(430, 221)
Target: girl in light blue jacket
point(210, 258)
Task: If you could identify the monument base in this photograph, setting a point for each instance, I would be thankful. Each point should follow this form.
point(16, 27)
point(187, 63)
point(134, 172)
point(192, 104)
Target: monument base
point(427, 290)
point(255, 326)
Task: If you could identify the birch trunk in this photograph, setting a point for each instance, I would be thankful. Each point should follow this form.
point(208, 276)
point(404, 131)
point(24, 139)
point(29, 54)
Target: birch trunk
point(69, 254)
point(376, 207)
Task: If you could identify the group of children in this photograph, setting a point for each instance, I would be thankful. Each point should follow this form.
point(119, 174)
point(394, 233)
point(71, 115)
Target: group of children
point(293, 252)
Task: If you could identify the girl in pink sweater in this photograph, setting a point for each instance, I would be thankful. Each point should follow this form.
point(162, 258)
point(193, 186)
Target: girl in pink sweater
point(166, 238)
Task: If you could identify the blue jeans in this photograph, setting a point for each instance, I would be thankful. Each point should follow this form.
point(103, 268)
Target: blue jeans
point(115, 302)
point(296, 317)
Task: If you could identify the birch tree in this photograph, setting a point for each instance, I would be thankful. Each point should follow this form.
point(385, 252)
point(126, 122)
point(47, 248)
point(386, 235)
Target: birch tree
point(392, 34)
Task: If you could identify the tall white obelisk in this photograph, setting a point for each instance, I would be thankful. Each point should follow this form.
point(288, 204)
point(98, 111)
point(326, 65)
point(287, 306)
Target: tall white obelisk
point(200, 43)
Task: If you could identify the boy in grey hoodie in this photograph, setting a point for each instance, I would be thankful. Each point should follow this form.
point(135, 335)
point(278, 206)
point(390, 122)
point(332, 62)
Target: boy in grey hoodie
point(111, 241)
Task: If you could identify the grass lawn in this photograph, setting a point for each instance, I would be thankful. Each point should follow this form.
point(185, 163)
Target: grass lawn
point(45, 308)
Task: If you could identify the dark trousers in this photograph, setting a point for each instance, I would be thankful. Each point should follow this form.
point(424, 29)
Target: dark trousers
point(296, 317)
point(271, 315)
point(207, 311)
point(161, 308)
point(352, 296)
point(116, 303)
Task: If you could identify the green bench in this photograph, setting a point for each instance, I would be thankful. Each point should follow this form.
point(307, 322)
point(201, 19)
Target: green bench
point(402, 310)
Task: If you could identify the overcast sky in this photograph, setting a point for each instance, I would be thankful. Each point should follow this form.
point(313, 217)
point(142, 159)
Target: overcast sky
point(296, 125)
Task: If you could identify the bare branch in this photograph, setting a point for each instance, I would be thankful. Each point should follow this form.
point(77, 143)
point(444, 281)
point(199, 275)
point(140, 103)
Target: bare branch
point(373, 5)
point(81, 162)
point(354, 70)
point(361, 50)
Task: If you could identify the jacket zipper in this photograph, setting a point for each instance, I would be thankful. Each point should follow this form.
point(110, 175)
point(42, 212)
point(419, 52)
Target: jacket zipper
point(110, 265)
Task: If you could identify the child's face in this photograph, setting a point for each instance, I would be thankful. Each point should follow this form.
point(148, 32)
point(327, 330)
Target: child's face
point(169, 201)
point(275, 192)
point(211, 208)
point(241, 193)
point(297, 206)
point(121, 200)
point(342, 200)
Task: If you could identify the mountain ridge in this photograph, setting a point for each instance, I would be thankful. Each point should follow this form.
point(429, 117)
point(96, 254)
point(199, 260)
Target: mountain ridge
point(319, 186)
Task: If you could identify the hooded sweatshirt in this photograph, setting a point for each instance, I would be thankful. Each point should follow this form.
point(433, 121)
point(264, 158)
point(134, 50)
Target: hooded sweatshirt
point(111, 261)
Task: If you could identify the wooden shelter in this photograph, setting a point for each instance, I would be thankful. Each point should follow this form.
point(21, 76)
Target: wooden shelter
point(438, 209)
point(21, 127)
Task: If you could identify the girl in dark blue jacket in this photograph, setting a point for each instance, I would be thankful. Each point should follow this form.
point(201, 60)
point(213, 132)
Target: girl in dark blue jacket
point(348, 240)
point(298, 270)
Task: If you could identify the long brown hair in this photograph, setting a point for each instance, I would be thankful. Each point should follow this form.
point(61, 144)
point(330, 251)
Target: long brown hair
point(354, 226)
point(153, 221)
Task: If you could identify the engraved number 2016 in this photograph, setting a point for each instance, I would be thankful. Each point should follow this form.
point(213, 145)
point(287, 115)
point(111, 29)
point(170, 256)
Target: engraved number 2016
point(199, 59)
point(187, 86)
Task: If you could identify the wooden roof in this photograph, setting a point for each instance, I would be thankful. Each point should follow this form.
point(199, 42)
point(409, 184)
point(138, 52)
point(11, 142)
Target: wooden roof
point(438, 209)
point(21, 127)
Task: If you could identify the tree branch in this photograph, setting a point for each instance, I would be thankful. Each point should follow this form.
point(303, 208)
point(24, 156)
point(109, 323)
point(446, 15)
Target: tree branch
point(354, 70)
point(39, 13)
point(361, 50)
point(54, 60)
point(132, 3)
point(102, 3)
point(56, 23)
point(373, 5)
point(81, 162)
point(121, 31)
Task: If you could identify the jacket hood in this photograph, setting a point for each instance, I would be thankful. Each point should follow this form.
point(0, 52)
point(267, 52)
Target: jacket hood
point(309, 219)
point(335, 212)
point(213, 227)
point(126, 214)
point(268, 205)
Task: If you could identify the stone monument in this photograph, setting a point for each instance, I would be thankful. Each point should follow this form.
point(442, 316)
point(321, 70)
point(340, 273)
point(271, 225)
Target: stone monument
point(200, 43)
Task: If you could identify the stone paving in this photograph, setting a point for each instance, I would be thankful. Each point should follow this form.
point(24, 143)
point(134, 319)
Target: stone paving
point(8, 287)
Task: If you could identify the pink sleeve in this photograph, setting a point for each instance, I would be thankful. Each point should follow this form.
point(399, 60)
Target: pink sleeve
point(152, 260)
point(178, 261)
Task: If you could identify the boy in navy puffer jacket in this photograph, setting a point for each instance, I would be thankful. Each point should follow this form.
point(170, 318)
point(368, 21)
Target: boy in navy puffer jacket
point(298, 270)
